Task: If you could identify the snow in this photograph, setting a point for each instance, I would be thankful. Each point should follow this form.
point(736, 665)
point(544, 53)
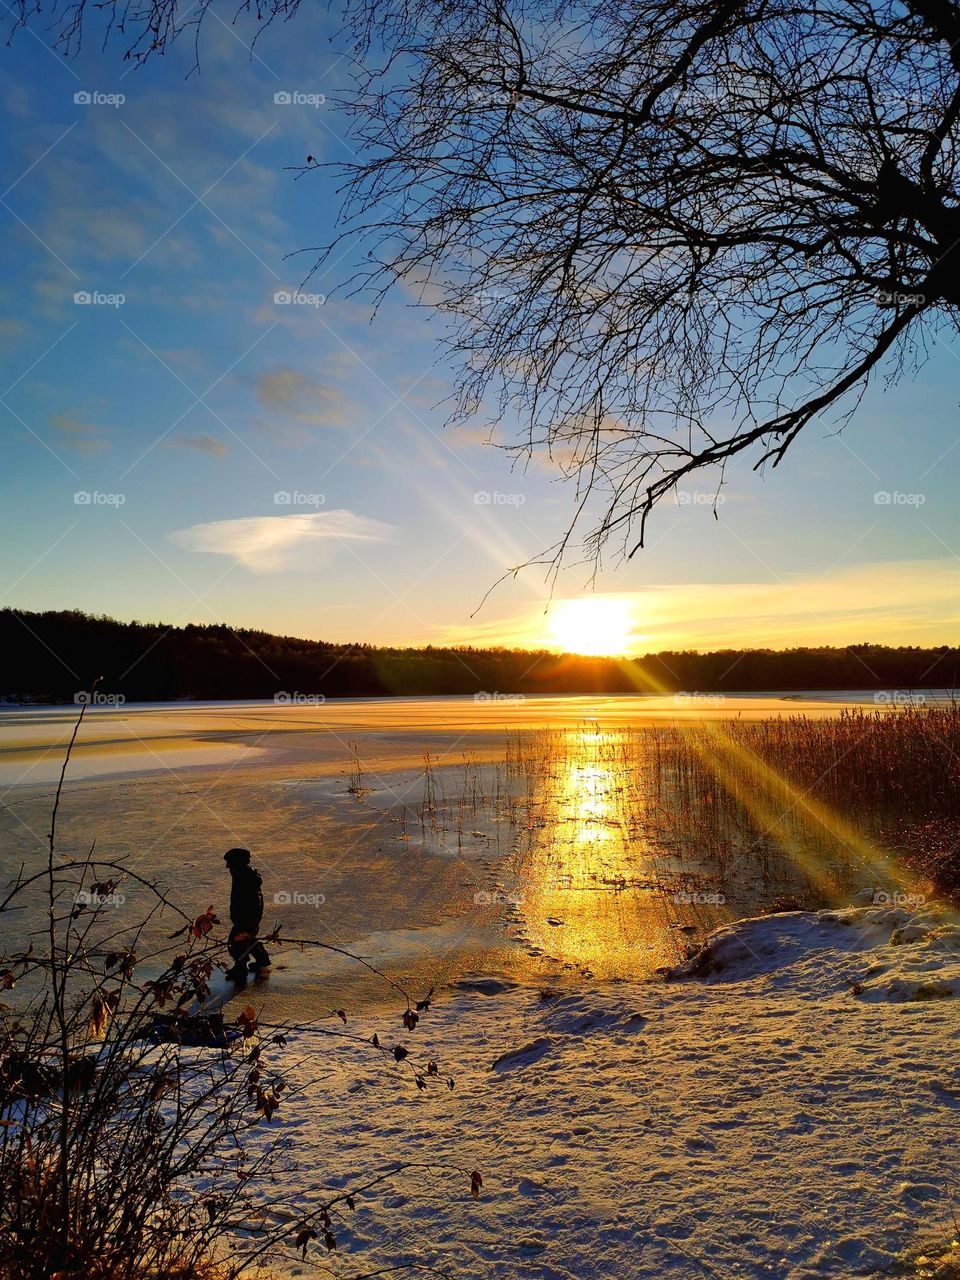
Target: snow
point(890, 953)
point(785, 1105)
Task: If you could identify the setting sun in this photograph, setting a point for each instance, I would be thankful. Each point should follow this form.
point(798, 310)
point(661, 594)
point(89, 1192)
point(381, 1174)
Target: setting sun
point(594, 625)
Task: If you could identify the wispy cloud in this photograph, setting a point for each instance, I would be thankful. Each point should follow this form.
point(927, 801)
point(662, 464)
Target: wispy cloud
point(294, 394)
point(202, 443)
point(266, 544)
point(84, 437)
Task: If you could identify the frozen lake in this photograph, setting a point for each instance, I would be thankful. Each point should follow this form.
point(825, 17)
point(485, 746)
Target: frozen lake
point(448, 840)
point(147, 737)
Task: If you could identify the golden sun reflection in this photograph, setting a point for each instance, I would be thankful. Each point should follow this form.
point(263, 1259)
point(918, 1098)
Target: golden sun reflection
point(588, 873)
point(636, 845)
point(588, 788)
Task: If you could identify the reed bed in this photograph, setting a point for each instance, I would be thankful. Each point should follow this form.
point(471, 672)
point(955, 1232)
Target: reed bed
point(791, 810)
point(908, 756)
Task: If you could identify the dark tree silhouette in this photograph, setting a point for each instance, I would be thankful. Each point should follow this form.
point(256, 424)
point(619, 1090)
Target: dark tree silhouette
point(49, 657)
point(668, 232)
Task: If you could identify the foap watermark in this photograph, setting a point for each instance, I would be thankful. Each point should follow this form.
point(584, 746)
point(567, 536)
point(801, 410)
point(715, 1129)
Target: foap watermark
point(96, 298)
point(294, 498)
point(499, 697)
point(99, 897)
point(484, 498)
point(887, 99)
point(497, 898)
point(481, 96)
point(83, 698)
point(294, 699)
point(94, 498)
point(298, 298)
point(297, 898)
point(886, 498)
point(95, 98)
point(297, 98)
point(698, 898)
point(500, 98)
point(891, 298)
point(700, 699)
point(490, 297)
point(698, 498)
point(899, 698)
point(894, 898)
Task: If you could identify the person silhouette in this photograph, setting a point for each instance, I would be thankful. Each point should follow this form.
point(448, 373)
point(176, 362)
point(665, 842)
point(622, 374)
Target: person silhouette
point(246, 912)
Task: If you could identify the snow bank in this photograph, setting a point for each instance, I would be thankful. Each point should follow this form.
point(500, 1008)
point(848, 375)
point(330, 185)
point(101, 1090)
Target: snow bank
point(792, 1114)
point(878, 953)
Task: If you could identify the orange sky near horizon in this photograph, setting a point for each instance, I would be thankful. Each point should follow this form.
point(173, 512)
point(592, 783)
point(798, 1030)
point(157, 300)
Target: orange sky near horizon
point(899, 603)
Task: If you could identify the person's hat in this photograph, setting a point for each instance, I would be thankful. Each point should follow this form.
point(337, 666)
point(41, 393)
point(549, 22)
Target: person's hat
point(236, 855)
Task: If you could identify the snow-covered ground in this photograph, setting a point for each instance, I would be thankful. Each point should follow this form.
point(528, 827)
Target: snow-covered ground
point(786, 1105)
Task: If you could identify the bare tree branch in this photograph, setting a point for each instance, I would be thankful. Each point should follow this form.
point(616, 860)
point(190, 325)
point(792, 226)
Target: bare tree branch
point(663, 234)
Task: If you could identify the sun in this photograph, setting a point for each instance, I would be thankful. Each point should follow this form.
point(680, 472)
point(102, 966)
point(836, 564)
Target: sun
point(594, 625)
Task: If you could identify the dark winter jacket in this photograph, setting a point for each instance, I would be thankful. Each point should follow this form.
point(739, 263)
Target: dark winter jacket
point(246, 898)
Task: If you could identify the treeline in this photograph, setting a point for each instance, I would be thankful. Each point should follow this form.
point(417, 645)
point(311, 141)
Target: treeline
point(52, 656)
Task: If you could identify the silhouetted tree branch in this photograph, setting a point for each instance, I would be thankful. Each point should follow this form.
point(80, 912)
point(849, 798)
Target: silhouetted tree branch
point(664, 234)
point(667, 233)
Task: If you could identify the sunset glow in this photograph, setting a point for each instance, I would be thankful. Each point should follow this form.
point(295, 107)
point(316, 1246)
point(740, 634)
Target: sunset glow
point(593, 625)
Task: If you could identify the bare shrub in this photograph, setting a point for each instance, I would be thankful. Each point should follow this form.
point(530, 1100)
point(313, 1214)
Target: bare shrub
point(127, 1099)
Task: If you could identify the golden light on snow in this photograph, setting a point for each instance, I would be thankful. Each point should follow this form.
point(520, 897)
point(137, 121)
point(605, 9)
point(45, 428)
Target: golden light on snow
point(593, 625)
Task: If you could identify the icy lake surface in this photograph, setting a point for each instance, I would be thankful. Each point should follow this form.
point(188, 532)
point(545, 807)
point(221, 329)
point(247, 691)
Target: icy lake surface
point(448, 840)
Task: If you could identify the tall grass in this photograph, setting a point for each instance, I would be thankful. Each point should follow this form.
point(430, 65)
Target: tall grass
point(893, 777)
point(794, 808)
point(908, 757)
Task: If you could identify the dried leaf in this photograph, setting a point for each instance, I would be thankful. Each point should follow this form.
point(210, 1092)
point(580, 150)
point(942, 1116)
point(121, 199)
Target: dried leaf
point(303, 1239)
point(204, 923)
point(267, 1103)
point(99, 1017)
point(247, 1021)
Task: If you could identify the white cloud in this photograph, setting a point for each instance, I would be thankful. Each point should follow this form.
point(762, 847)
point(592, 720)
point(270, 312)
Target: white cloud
point(266, 544)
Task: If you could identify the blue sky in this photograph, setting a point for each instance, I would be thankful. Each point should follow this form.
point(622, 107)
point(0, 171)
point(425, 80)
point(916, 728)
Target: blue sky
point(188, 410)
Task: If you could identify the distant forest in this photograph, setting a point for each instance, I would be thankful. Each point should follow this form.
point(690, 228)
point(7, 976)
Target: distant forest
point(53, 656)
